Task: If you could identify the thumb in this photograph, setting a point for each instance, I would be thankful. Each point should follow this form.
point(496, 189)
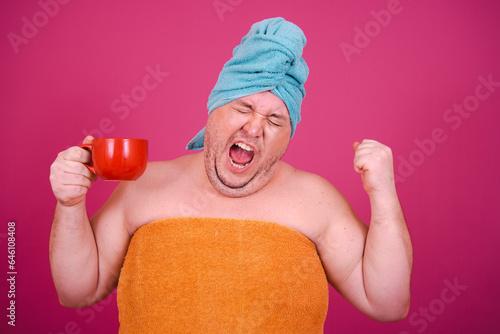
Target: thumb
point(355, 145)
point(88, 140)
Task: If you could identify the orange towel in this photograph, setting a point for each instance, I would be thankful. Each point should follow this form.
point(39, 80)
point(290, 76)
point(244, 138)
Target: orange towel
point(208, 275)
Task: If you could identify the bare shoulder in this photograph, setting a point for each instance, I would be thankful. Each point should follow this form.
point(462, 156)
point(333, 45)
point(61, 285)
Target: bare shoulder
point(153, 194)
point(158, 174)
point(311, 187)
point(334, 227)
point(317, 201)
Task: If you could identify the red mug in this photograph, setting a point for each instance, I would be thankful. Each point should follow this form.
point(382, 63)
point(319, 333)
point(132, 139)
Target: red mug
point(118, 159)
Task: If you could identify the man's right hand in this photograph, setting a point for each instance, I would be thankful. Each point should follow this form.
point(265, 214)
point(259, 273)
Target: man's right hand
point(69, 177)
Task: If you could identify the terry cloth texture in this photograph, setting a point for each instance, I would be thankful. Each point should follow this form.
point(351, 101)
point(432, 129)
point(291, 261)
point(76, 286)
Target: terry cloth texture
point(209, 275)
point(269, 58)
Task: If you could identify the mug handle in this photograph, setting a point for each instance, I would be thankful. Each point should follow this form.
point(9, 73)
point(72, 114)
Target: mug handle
point(89, 148)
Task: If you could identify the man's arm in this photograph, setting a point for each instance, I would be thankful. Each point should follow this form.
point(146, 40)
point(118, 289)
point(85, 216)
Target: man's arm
point(85, 256)
point(370, 267)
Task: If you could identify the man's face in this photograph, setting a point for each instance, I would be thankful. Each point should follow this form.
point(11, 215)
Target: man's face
point(244, 141)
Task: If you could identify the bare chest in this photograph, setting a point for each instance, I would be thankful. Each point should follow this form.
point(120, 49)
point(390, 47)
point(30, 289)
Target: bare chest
point(273, 207)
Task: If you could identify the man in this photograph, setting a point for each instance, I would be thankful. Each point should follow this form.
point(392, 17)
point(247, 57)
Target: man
point(253, 112)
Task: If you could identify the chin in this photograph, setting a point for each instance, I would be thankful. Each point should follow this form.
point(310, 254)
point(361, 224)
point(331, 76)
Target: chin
point(226, 188)
point(232, 182)
point(229, 187)
point(232, 192)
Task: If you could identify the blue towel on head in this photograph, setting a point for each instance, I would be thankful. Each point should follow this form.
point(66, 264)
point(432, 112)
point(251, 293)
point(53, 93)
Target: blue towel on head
point(269, 58)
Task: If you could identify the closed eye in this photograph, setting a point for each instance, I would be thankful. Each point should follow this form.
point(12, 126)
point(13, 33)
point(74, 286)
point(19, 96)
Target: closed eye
point(242, 111)
point(276, 120)
point(273, 122)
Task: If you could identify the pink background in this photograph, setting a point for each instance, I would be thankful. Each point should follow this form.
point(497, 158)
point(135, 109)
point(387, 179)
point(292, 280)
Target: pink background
point(63, 78)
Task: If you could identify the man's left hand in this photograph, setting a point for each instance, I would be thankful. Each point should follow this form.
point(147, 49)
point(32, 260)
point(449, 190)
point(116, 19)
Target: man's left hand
point(374, 162)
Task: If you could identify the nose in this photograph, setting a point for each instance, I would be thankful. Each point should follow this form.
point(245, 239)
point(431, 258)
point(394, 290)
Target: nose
point(255, 126)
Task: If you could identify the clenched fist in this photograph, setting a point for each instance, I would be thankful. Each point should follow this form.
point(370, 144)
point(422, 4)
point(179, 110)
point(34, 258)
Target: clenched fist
point(69, 177)
point(373, 161)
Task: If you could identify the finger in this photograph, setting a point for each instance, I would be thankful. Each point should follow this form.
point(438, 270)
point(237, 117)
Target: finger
point(355, 145)
point(370, 141)
point(364, 145)
point(359, 150)
point(359, 159)
point(80, 180)
point(88, 140)
point(374, 144)
point(73, 167)
point(368, 144)
point(77, 154)
point(359, 162)
point(363, 149)
point(61, 167)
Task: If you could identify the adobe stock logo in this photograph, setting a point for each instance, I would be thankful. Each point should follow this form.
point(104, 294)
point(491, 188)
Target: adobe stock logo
point(30, 28)
point(454, 118)
point(139, 92)
point(89, 314)
point(372, 29)
point(123, 105)
point(449, 294)
point(224, 6)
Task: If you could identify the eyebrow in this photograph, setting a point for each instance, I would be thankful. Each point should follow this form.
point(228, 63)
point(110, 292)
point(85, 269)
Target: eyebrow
point(246, 104)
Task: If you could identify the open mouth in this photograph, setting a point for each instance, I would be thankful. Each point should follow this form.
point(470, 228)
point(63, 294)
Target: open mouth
point(240, 155)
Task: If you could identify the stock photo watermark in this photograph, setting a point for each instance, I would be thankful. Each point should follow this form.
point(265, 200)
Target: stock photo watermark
point(128, 101)
point(420, 319)
point(88, 315)
point(31, 26)
point(11, 272)
point(223, 6)
point(363, 36)
point(453, 117)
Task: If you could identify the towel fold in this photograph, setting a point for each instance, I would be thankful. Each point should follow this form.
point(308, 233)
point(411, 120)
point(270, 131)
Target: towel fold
point(269, 58)
point(208, 275)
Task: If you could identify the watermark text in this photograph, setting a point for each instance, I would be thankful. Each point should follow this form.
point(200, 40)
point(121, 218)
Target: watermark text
point(11, 273)
point(453, 117)
point(31, 26)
